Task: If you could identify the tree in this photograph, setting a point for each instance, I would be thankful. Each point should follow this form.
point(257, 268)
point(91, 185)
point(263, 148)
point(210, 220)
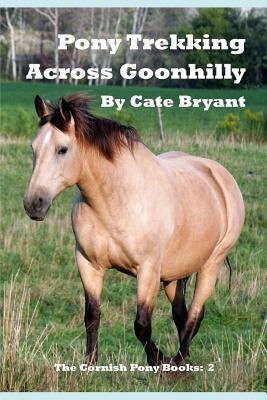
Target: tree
point(52, 16)
point(10, 15)
point(229, 23)
point(78, 21)
point(139, 19)
point(112, 25)
point(256, 49)
point(99, 34)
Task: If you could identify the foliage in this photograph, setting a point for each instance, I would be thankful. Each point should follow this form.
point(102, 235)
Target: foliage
point(125, 117)
point(251, 125)
point(20, 123)
point(229, 23)
point(229, 124)
point(256, 123)
point(33, 46)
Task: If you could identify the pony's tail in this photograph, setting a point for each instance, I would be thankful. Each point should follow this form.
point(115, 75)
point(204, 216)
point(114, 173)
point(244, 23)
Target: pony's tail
point(227, 263)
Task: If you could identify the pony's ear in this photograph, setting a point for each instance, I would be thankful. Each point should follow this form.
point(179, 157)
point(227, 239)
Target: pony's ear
point(65, 110)
point(42, 108)
point(66, 113)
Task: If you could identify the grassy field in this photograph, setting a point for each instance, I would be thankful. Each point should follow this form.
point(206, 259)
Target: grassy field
point(18, 116)
point(42, 297)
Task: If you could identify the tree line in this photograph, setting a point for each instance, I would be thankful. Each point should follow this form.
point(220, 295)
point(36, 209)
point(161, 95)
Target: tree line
point(30, 36)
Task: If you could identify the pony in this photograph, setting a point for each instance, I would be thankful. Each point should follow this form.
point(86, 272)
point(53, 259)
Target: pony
point(157, 218)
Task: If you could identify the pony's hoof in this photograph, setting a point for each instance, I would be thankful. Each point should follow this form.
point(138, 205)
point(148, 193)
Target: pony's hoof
point(90, 360)
point(159, 360)
point(178, 360)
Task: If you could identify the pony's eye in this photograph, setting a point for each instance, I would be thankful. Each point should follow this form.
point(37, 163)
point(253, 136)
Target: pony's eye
point(62, 150)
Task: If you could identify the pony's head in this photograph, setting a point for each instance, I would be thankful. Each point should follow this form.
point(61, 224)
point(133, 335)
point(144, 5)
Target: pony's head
point(56, 161)
point(67, 128)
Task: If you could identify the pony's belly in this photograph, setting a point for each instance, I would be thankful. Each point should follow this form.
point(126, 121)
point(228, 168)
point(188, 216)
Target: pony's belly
point(172, 269)
point(187, 255)
point(184, 264)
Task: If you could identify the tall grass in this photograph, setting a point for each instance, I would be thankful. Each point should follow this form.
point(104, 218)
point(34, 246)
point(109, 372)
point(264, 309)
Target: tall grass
point(19, 354)
point(28, 366)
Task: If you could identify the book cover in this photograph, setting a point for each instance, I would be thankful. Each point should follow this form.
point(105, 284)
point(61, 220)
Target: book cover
point(133, 199)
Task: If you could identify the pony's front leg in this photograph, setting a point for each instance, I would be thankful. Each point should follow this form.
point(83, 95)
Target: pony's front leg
point(148, 283)
point(92, 280)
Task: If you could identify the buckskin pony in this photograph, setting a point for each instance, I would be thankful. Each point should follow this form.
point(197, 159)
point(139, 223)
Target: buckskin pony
point(157, 218)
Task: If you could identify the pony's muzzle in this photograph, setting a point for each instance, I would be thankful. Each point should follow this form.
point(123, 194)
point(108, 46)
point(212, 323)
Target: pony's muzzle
point(36, 205)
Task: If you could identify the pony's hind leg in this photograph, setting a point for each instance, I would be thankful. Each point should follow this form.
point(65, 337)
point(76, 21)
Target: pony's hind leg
point(175, 292)
point(148, 283)
point(206, 279)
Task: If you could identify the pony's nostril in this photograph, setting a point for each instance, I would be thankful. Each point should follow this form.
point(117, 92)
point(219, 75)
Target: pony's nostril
point(38, 203)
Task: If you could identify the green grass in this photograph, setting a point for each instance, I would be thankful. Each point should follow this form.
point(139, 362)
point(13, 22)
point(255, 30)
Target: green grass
point(42, 296)
point(18, 117)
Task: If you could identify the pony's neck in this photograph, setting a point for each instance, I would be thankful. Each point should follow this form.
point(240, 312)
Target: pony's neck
point(103, 182)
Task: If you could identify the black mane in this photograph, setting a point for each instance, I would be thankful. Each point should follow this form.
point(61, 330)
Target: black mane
point(106, 135)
